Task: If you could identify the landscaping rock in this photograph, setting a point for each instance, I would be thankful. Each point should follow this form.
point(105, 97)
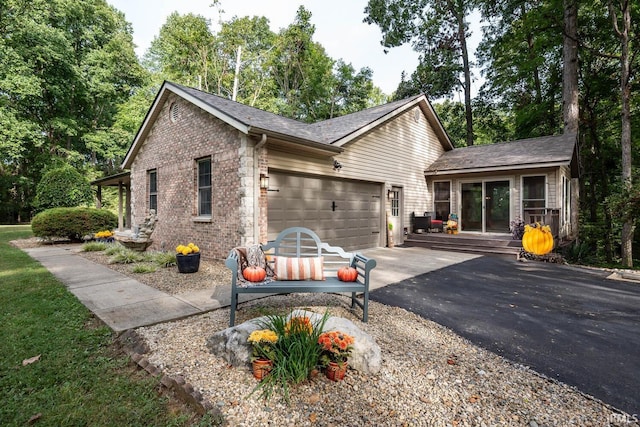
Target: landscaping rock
point(231, 343)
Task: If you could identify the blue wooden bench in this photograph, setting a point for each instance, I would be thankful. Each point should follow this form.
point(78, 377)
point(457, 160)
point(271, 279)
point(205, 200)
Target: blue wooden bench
point(301, 242)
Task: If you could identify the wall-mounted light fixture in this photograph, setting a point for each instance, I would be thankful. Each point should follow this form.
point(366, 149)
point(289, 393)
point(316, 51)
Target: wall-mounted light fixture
point(264, 181)
point(336, 165)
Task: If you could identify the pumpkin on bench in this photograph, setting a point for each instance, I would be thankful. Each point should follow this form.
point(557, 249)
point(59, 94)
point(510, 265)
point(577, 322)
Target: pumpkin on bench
point(297, 261)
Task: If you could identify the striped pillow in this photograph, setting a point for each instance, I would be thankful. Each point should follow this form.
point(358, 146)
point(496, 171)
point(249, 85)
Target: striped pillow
point(308, 268)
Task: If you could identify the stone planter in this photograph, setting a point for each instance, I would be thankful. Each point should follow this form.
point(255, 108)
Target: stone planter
point(188, 263)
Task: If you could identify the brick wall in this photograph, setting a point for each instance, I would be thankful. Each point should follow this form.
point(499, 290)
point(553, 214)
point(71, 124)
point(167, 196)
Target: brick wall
point(172, 148)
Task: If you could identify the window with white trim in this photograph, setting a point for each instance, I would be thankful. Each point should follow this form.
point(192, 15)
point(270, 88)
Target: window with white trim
point(442, 199)
point(152, 177)
point(534, 198)
point(204, 187)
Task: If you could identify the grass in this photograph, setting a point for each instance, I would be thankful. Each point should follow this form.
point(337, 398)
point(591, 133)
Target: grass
point(81, 378)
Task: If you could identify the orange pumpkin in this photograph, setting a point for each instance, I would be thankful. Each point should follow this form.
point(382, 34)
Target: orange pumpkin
point(347, 274)
point(537, 239)
point(254, 273)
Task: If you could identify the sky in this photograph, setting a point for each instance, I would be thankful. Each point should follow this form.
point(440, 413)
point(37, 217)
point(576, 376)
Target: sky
point(339, 28)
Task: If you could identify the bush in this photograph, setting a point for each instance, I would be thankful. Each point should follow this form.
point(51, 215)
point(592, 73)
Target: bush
point(62, 187)
point(72, 223)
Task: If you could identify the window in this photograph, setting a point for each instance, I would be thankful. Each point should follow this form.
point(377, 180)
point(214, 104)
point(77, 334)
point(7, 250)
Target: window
point(566, 198)
point(395, 202)
point(534, 198)
point(442, 199)
point(204, 187)
point(153, 189)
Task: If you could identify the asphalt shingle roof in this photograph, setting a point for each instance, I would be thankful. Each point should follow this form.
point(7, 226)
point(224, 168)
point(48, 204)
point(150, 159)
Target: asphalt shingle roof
point(532, 151)
point(326, 131)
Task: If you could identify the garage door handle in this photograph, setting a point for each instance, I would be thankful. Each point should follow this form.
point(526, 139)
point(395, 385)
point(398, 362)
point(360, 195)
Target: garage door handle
point(375, 232)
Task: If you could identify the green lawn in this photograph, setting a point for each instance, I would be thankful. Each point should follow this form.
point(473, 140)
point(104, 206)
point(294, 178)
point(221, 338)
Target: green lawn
point(80, 378)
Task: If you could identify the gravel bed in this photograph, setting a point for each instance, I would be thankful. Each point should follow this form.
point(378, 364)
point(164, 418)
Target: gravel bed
point(168, 279)
point(430, 376)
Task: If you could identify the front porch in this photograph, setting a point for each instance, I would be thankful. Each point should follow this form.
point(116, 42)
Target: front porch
point(478, 243)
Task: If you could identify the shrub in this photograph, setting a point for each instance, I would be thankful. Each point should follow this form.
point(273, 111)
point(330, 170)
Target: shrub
point(94, 247)
point(126, 256)
point(72, 223)
point(164, 259)
point(62, 187)
point(144, 268)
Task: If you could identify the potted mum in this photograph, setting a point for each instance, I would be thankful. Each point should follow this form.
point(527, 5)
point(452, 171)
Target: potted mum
point(188, 258)
point(262, 342)
point(336, 348)
point(105, 236)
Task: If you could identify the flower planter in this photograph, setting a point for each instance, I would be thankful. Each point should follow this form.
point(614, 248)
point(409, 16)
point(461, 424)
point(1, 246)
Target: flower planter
point(336, 371)
point(188, 263)
point(261, 367)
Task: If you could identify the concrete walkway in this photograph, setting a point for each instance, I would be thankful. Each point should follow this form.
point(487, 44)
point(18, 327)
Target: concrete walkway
point(124, 303)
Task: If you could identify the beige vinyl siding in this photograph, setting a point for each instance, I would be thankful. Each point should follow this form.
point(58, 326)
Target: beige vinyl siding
point(394, 154)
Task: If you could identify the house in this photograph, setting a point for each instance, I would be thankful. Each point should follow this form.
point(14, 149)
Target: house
point(223, 174)
point(490, 185)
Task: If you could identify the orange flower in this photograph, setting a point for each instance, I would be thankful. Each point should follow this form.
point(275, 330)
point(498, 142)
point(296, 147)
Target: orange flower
point(335, 346)
point(298, 325)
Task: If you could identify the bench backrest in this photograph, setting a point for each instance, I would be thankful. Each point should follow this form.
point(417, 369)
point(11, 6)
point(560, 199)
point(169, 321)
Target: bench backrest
point(301, 242)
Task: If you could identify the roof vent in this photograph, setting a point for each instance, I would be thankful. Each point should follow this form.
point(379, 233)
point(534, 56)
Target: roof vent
point(174, 111)
point(416, 115)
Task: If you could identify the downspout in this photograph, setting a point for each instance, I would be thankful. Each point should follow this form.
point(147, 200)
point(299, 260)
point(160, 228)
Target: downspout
point(256, 188)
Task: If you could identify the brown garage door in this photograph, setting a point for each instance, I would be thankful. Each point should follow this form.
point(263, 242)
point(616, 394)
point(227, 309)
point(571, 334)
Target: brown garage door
point(343, 213)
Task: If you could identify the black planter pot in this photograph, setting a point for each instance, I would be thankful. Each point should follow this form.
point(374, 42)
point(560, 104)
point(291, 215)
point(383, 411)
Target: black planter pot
point(188, 263)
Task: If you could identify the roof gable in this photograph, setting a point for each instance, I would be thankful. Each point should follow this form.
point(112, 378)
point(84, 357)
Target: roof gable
point(329, 134)
point(525, 153)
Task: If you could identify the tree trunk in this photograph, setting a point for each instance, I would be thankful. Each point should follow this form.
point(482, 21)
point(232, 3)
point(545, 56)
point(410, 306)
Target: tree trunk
point(570, 67)
point(622, 32)
point(467, 76)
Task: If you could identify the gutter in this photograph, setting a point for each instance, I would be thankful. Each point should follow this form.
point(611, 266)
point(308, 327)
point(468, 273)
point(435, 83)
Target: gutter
point(256, 187)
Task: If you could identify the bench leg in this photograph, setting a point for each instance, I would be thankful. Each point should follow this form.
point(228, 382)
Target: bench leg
point(365, 307)
point(232, 309)
point(353, 299)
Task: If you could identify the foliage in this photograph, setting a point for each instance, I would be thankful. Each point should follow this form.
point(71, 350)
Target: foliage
point(94, 247)
point(163, 259)
point(438, 31)
point(144, 268)
point(336, 347)
point(64, 68)
point(579, 252)
point(516, 227)
point(262, 343)
point(296, 353)
point(126, 256)
point(63, 187)
point(81, 378)
point(72, 223)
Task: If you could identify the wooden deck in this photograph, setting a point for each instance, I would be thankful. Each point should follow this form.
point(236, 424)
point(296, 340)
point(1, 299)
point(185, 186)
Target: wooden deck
point(486, 244)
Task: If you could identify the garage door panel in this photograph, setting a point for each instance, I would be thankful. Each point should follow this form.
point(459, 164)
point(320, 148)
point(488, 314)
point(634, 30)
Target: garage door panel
point(307, 201)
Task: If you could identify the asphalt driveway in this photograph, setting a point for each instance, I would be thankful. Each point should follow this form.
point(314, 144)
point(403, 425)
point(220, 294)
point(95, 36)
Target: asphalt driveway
point(568, 323)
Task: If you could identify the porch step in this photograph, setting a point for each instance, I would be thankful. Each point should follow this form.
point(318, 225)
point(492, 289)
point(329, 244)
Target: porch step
point(481, 244)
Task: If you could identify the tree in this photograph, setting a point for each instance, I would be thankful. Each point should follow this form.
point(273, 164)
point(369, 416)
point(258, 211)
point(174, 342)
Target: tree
point(570, 107)
point(64, 68)
point(620, 13)
point(438, 30)
point(63, 187)
point(520, 55)
point(183, 51)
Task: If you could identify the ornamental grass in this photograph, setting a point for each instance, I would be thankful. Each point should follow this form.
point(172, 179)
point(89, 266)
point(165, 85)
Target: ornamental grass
point(295, 354)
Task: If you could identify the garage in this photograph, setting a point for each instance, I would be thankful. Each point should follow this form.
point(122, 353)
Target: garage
point(342, 212)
